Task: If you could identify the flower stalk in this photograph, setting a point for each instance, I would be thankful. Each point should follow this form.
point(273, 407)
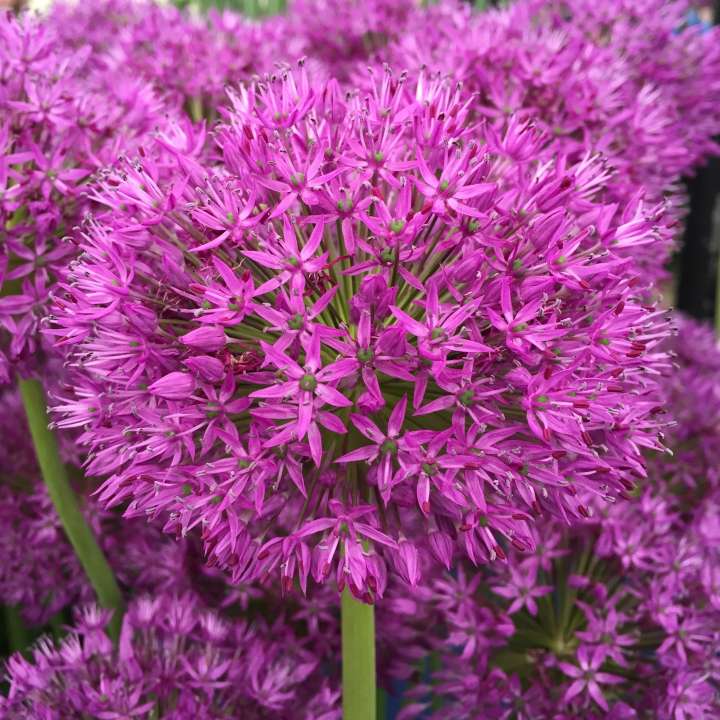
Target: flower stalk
point(358, 659)
point(76, 528)
point(717, 301)
point(15, 630)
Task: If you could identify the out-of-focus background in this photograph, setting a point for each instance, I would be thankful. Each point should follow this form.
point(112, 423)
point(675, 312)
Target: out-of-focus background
point(694, 286)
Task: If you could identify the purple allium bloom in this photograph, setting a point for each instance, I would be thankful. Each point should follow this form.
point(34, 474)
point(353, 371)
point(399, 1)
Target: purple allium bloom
point(40, 574)
point(188, 58)
point(345, 34)
point(405, 332)
point(588, 677)
point(626, 634)
point(523, 589)
point(630, 80)
point(175, 660)
point(61, 119)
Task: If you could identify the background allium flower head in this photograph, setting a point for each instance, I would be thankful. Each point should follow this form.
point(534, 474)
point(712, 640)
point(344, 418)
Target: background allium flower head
point(632, 627)
point(692, 392)
point(344, 35)
point(40, 574)
point(375, 329)
point(189, 59)
point(61, 119)
point(629, 80)
point(175, 660)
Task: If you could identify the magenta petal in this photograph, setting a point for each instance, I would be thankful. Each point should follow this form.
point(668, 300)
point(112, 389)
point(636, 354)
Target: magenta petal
point(370, 532)
point(281, 361)
point(313, 242)
point(337, 370)
point(264, 259)
point(297, 477)
point(174, 386)
point(506, 592)
point(364, 453)
point(569, 669)
point(397, 416)
point(372, 384)
point(368, 428)
point(323, 301)
point(284, 204)
point(276, 392)
point(215, 242)
point(267, 286)
point(363, 333)
point(305, 416)
point(462, 345)
point(596, 694)
point(315, 442)
point(331, 422)
point(15, 304)
point(315, 526)
point(437, 405)
point(283, 437)
point(409, 324)
point(208, 338)
point(608, 679)
point(575, 689)
point(472, 191)
point(331, 396)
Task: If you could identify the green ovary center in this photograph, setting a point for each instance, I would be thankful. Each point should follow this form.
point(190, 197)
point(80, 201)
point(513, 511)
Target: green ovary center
point(308, 382)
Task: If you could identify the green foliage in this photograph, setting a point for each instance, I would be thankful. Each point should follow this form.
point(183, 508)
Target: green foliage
point(358, 659)
point(251, 8)
point(55, 476)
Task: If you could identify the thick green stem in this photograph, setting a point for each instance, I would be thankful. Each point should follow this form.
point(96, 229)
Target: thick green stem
point(56, 625)
point(358, 659)
point(66, 504)
point(196, 109)
point(717, 299)
point(382, 705)
point(15, 630)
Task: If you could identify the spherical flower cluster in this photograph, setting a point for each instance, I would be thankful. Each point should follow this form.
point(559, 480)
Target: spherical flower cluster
point(189, 59)
point(630, 80)
point(59, 123)
point(368, 331)
point(176, 661)
point(632, 627)
point(40, 574)
point(372, 327)
point(669, 61)
point(344, 36)
point(642, 648)
point(692, 393)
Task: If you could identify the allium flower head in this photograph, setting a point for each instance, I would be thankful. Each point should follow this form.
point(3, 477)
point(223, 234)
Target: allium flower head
point(629, 80)
point(373, 329)
point(40, 574)
point(175, 660)
point(631, 629)
point(187, 57)
point(345, 34)
point(61, 118)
